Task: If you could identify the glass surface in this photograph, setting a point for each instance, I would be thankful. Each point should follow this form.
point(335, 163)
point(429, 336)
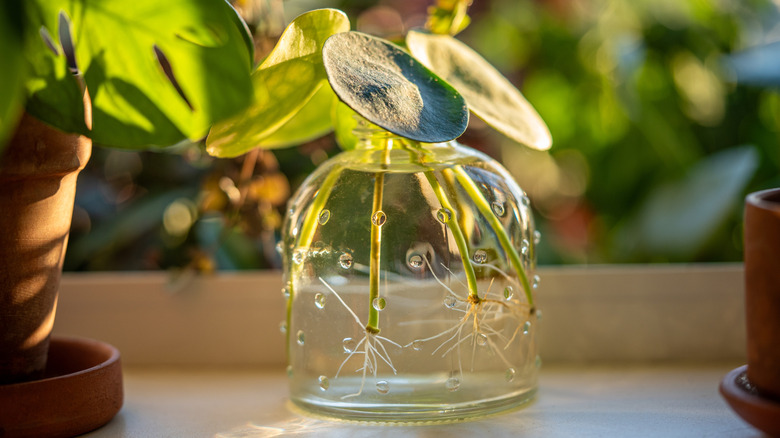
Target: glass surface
point(405, 303)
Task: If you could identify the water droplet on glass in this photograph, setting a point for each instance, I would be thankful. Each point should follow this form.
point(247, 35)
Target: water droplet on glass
point(453, 383)
point(415, 261)
point(524, 247)
point(482, 339)
point(450, 301)
point(299, 337)
point(510, 374)
point(319, 300)
point(444, 215)
point(289, 370)
point(480, 256)
point(508, 293)
point(538, 314)
point(323, 217)
point(535, 283)
point(286, 292)
point(382, 387)
point(417, 345)
point(349, 345)
point(379, 303)
point(279, 247)
point(498, 208)
point(537, 237)
point(324, 383)
point(526, 327)
point(345, 260)
point(298, 256)
point(283, 327)
point(538, 361)
point(379, 218)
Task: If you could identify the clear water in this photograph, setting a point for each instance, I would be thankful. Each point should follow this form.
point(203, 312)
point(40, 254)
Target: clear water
point(437, 352)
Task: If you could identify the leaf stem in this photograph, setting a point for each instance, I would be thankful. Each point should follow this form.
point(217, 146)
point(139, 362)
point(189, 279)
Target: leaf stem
point(482, 205)
point(378, 219)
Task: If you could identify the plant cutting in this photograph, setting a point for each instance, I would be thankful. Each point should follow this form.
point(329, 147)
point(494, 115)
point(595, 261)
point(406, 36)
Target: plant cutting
point(409, 258)
point(78, 73)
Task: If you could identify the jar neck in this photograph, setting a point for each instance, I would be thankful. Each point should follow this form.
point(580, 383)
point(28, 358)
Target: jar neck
point(370, 136)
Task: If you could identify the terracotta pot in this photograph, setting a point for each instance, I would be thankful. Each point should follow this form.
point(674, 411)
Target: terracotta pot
point(38, 173)
point(762, 291)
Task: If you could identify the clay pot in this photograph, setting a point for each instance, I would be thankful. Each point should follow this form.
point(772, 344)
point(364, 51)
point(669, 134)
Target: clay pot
point(38, 173)
point(762, 291)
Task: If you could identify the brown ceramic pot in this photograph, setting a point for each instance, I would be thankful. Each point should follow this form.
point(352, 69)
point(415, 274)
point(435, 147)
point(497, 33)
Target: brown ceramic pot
point(38, 173)
point(762, 291)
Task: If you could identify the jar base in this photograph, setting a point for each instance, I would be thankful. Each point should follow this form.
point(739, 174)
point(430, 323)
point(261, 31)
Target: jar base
point(414, 413)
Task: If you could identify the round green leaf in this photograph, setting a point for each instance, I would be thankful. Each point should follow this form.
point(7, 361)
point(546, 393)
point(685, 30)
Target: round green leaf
point(391, 89)
point(283, 84)
point(488, 93)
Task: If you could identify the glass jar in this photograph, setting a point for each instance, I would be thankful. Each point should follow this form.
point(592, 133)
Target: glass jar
point(409, 277)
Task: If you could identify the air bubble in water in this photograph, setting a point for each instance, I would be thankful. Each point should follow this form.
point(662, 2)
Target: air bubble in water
point(323, 217)
point(286, 292)
point(382, 387)
point(417, 345)
point(482, 339)
point(324, 383)
point(279, 247)
point(524, 245)
point(349, 345)
point(453, 383)
point(444, 215)
point(415, 261)
point(289, 370)
point(538, 314)
point(319, 300)
point(525, 200)
point(379, 303)
point(480, 256)
point(283, 326)
point(345, 260)
point(510, 374)
point(535, 283)
point(298, 256)
point(526, 327)
point(379, 218)
point(508, 293)
point(450, 301)
point(498, 208)
point(299, 337)
point(537, 237)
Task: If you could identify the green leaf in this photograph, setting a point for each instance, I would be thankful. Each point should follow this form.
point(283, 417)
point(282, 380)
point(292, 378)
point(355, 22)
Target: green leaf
point(488, 93)
point(155, 72)
point(310, 122)
point(284, 82)
point(344, 122)
point(391, 89)
point(13, 72)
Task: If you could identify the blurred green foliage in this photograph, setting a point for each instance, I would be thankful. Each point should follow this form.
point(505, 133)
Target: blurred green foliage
point(655, 143)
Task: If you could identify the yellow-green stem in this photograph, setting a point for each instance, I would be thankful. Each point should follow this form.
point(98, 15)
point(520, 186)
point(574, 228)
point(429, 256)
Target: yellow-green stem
point(372, 325)
point(451, 220)
point(482, 205)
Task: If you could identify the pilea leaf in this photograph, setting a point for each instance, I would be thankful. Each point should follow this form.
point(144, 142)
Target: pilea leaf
point(283, 84)
point(128, 52)
point(488, 93)
point(391, 89)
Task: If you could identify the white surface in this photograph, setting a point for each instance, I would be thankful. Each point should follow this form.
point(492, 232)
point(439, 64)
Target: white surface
point(636, 401)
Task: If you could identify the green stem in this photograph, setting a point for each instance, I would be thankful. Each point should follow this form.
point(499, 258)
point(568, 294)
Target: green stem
point(305, 237)
point(377, 220)
point(457, 234)
point(482, 205)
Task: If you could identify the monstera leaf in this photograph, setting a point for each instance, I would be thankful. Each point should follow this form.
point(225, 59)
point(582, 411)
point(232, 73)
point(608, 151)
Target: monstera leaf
point(488, 93)
point(285, 83)
point(155, 71)
point(391, 89)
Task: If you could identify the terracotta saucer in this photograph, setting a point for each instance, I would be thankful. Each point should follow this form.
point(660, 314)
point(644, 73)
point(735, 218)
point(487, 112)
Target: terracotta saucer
point(741, 395)
point(82, 390)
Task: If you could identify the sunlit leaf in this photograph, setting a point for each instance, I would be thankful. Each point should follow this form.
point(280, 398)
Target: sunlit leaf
point(344, 122)
point(310, 122)
point(156, 72)
point(488, 93)
point(391, 89)
point(12, 73)
point(284, 82)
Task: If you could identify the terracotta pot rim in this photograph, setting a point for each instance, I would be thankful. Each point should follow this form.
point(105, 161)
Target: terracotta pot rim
point(768, 199)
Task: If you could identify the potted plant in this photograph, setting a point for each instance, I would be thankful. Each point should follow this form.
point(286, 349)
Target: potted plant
point(409, 259)
point(120, 75)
